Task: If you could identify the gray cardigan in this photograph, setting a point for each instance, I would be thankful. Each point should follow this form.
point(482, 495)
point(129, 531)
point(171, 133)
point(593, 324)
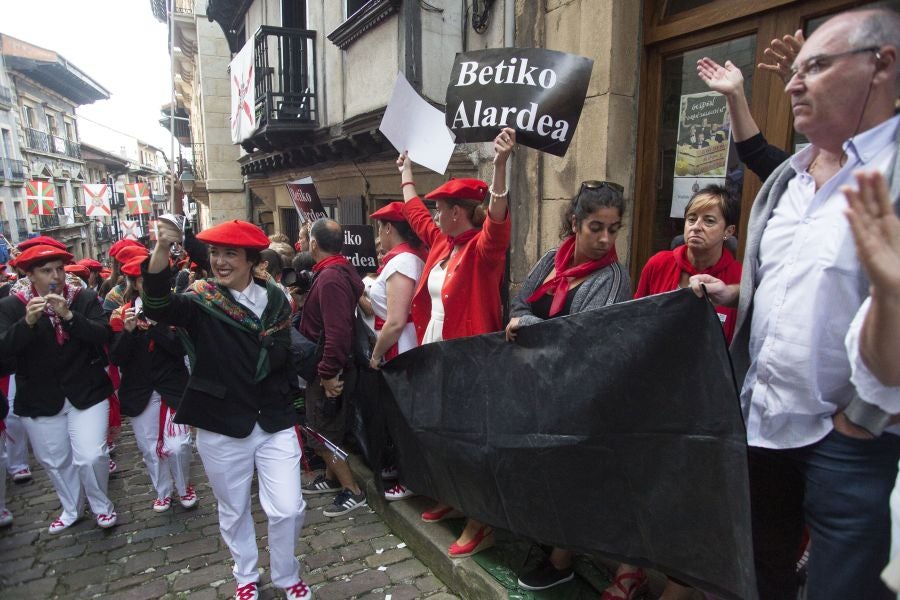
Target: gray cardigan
point(865, 414)
point(601, 288)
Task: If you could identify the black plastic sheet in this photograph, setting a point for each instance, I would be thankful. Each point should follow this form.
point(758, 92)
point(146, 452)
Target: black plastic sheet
point(616, 431)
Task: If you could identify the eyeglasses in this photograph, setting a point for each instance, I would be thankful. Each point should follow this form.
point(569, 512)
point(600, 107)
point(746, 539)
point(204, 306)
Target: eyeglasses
point(817, 64)
point(593, 184)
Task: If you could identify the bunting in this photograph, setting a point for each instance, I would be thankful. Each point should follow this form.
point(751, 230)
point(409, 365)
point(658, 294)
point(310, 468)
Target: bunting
point(96, 200)
point(137, 198)
point(41, 197)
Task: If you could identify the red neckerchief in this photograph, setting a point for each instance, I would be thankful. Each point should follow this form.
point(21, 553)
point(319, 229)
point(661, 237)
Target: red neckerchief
point(69, 292)
point(337, 259)
point(400, 249)
point(680, 255)
point(560, 282)
point(460, 240)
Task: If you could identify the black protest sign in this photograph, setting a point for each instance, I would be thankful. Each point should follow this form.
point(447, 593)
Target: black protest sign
point(359, 247)
point(539, 93)
point(306, 200)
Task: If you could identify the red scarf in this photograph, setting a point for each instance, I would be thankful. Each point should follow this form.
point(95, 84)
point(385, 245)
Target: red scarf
point(560, 282)
point(400, 249)
point(337, 259)
point(69, 292)
point(460, 240)
point(681, 259)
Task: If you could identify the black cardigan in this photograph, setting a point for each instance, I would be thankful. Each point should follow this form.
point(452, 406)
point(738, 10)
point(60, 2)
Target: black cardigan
point(221, 394)
point(144, 371)
point(47, 373)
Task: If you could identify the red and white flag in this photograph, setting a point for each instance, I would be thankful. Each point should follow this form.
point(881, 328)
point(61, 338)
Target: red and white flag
point(137, 198)
point(153, 227)
point(41, 197)
point(96, 200)
point(243, 94)
point(131, 230)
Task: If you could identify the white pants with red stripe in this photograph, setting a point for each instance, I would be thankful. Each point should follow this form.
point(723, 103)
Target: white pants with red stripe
point(229, 463)
point(71, 446)
point(176, 463)
point(17, 439)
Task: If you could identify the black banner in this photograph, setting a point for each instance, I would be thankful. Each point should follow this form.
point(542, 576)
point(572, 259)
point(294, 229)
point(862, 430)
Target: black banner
point(539, 93)
point(616, 431)
point(359, 247)
point(306, 200)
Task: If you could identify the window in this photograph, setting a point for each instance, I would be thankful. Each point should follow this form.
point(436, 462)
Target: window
point(352, 6)
point(70, 132)
point(51, 124)
point(7, 143)
point(28, 116)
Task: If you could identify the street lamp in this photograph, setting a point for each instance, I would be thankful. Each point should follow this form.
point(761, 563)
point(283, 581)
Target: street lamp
point(187, 180)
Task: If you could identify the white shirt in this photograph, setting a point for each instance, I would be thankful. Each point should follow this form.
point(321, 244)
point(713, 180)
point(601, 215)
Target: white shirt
point(409, 265)
point(887, 398)
point(810, 286)
point(254, 297)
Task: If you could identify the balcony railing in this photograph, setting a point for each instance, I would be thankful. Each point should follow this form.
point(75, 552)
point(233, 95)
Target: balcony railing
point(22, 227)
point(5, 95)
point(199, 156)
point(285, 64)
point(49, 221)
point(15, 169)
point(44, 142)
point(184, 7)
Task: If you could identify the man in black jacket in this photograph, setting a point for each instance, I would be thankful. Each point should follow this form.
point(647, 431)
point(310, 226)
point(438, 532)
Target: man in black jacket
point(239, 395)
point(56, 331)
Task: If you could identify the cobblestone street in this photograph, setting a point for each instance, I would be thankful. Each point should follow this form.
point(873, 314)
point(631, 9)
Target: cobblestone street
point(180, 553)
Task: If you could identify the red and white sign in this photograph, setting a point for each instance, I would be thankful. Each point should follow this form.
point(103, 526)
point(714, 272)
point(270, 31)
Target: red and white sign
point(96, 200)
point(243, 94)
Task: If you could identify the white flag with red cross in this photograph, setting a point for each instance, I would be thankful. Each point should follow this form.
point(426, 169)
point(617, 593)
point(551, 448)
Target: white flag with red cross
point(96, 200)
point(243, 95)
point(131, 230)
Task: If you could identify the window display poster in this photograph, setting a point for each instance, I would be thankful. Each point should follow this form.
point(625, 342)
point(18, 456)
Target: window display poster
point(701, 155)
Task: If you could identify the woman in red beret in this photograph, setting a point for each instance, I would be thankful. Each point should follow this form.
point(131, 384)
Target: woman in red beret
point(582, 274)
point(150, 358)
point(239, 395)
point(459, 292)
point(391, 296)
point(53, 330)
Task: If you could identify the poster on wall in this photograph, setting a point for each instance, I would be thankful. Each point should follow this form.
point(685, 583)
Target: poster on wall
point(359, 247)
point(537, 92)
point(701, 152)
point(306, 200)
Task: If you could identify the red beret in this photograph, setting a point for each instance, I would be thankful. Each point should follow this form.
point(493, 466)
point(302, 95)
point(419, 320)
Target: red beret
point(41, 254)
point(133, 267)
point(473, 190)
point(128, 253)
point(80, 270)
point(42, 240)
point(235, 234)
point(117, 247)
point(105, 273)
point(391, 212)
point(90, 263)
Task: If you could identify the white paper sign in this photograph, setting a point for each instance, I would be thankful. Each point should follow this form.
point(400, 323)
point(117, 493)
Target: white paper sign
point(413, 125)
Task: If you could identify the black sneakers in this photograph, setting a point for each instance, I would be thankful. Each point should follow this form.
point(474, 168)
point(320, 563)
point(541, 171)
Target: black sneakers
point(344, 502)
point(544, 576)
point(321, 485)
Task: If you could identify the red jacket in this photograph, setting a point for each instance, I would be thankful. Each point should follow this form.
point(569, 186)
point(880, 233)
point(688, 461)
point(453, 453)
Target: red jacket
point(662, 274)
point(471, 291)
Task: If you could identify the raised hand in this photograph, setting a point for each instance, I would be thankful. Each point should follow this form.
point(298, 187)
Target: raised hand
point(59, 306)
point(781, 54)
point(34, 309)
point(876, 230)
point(727, 79)
point(504, 144)
point(129, 319)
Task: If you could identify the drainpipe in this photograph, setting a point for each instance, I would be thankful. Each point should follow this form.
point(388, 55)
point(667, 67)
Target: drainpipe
point(509, 23)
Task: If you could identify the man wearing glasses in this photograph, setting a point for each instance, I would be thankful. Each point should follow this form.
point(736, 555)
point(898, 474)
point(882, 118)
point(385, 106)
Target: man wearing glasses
point(814, 458)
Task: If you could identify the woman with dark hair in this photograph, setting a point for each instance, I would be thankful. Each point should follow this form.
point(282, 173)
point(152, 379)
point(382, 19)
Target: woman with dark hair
point(239, 395)
point(582, 274)
point(459, 292)
point(710, 218)
point(150, 358)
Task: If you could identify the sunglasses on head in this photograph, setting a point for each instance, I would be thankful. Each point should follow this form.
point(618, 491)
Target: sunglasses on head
point(593, 184)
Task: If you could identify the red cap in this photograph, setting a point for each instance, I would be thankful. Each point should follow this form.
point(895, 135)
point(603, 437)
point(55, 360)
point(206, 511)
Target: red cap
point(80, 270)
point(117, 247)
point(105, 273)
point(473, 190)
point(90, 263)
point(133, 267)
point(235, 234)
point(391, 212)
point(41, 240)
point(128, 253)
point(40, 254)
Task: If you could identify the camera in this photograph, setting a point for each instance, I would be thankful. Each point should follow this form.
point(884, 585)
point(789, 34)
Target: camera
point(302, 280)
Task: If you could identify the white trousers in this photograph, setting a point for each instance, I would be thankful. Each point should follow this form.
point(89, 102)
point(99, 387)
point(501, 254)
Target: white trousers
point(229, 464)
point(176, 464)
point(17, 440)
point(2, 472)
point(71, 446)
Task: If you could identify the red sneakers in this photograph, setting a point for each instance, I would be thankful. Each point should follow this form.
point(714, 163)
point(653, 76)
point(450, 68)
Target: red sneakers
point(189, 500)
point(247, 591)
